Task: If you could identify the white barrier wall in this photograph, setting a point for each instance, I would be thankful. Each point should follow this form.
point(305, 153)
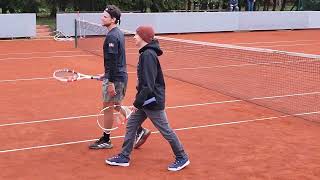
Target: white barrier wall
point(265, 20)
point(314, 19)
point(203, 21)
point(17, 25)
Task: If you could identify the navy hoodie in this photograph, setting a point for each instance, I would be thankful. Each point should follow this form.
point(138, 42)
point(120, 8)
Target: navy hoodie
point(151, 85)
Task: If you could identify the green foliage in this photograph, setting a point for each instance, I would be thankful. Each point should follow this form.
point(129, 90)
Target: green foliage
point(19, 6)
point(313, 5)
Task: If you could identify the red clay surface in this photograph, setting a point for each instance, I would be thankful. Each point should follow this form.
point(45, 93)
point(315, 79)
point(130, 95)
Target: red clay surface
point(269, 147)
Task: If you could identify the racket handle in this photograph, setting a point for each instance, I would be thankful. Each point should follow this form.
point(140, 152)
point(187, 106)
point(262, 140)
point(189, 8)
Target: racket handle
point(95, 77)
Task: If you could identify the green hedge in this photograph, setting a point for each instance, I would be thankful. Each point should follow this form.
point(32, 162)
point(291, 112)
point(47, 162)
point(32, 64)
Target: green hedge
point(313, 5)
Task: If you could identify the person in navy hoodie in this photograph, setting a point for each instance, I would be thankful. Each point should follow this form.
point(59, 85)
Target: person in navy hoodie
point(149, 102)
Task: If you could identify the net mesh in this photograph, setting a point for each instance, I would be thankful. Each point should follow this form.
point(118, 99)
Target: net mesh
point(286, 82)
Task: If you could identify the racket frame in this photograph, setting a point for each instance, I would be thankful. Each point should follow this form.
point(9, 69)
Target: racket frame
point(101, 113)
point(80, 76)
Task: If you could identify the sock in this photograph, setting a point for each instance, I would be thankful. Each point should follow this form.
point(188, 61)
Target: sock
point(106, 136)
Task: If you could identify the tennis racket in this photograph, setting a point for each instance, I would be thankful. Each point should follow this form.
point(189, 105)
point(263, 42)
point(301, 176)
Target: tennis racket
point(120, 116)
point(67, 75)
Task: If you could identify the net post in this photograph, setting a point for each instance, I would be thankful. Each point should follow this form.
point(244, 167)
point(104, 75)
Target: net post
point(75, 33)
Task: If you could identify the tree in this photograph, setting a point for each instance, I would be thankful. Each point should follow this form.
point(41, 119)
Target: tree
point(274, 5)
point(30, 6)
point(57, 5)
point(313, 5)
point(266, 5)
point(4, 5)
point(283, 5)
point(16, 6)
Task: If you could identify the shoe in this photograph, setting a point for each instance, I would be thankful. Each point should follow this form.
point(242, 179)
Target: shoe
point(118, 160)
point(142, 137)
point(179, 164)
point(101, 144)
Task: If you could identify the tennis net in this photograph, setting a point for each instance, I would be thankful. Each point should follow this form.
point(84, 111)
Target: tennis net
point(286, 82)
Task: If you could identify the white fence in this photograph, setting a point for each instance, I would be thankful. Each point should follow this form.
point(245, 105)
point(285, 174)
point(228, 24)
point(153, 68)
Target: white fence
point(186, 22)
point(17, 25)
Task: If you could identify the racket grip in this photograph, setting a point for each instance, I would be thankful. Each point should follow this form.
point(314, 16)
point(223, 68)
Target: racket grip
point(95, 77)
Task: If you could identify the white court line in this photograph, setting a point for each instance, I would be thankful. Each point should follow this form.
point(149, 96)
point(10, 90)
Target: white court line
point(157, 132)
point(283, 96)
point(95, 115)
point(48, 120)
point(246, 121)
point(45, 57)
point(234, 58)
point(180, 69)
point(31, 79)
point(31, 39)
point(274, 42)
point(40, 52)
point(241, 65)
point(100, 51)
point(172, 107)
point(288, 45)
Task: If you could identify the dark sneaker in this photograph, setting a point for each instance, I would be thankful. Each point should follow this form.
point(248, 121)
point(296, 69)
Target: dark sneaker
point(101, 144)
point(142, 137)
point(118, 160)
point(179, 164)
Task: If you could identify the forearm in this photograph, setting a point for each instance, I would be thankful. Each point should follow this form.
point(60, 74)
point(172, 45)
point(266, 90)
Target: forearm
point(112, 66)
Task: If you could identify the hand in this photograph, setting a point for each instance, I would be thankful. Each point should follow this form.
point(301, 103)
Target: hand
point(100, 77)
point(133, 109)
point(111, 89)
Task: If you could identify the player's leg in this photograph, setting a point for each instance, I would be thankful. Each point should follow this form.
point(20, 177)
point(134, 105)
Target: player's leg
point(160, 121)
point(141, 136)
point(113, 102)
point(108, 101)
point(142, 133)
point(121, 88)
point(134, 122)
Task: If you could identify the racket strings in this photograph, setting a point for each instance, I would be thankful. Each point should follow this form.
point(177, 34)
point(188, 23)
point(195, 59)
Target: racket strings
point(120, 115)
point(66, 75)
point(119, 118)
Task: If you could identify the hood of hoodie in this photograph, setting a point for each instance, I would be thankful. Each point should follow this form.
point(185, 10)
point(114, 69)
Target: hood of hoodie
point(154, 45)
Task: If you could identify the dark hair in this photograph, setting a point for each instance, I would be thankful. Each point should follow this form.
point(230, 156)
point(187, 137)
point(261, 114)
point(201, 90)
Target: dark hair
point(114, 12)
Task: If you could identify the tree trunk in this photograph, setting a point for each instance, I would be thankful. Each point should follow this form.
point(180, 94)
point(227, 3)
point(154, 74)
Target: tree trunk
point(148, 6)
point(274, 5)
point(283, 5)
point(256, 6)
point(186, 4)
point(140, 5)
point(62, 6)
point(191, 5)
point(266, 5)
point(4, 10)
point(76, 5)
point(53, 11)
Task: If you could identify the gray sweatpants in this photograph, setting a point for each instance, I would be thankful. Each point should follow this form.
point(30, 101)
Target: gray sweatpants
point(160, 121)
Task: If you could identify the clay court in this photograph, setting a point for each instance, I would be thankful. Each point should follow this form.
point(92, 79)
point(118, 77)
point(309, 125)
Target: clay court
point(46, 125)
